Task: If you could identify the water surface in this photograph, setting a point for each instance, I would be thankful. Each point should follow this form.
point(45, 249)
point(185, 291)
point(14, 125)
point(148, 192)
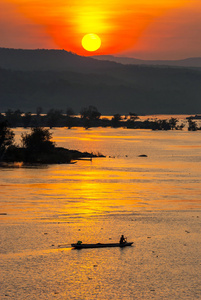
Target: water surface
point(154, 200)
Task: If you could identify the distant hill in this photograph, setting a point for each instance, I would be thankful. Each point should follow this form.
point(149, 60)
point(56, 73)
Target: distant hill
point(59, 79)
point(194, 62)
point(46, 60)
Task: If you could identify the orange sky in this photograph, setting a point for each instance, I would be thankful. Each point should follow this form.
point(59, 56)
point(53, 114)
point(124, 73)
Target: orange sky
point(148, 29)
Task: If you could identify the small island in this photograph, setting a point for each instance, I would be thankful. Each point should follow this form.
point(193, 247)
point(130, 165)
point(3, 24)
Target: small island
point(37, 148)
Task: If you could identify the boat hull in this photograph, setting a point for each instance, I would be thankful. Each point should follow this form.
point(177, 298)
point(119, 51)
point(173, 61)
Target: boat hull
point(99, 245)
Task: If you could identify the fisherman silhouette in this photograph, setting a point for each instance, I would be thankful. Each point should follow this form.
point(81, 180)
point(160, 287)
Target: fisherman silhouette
point(122, 239)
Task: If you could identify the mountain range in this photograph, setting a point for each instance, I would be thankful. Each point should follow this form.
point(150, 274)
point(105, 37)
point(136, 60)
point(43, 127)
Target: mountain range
point(194, 62)
point(59, 79)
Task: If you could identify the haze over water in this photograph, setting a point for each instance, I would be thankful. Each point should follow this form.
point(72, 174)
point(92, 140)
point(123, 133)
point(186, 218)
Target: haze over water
point(154, 200)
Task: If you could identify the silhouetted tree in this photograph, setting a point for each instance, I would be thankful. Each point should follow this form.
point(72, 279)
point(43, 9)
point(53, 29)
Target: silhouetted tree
point(173, 122)
point(116, 120)
point(69, 117)
point(192, 126)
point(53, 117)
point(13, 117)
point(89, 114)
point(164, 125)
point(133, 116)
point(26, 119)
point(131, 121)
point(2, 117)
point(39, 140)
point(70, 112)
point(6, 138)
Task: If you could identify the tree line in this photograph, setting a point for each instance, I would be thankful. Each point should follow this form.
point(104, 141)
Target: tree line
point(37, 148)
point(88, 117)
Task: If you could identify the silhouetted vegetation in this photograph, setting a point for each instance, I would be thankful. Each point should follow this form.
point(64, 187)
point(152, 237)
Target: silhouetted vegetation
point(89, 117)
point(6, 138)
point(192, 126)
point(39, 140)
point(116, 120)
point(37, 148)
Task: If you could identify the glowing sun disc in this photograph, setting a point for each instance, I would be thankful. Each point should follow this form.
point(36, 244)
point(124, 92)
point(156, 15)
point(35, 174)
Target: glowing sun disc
point(91, 42)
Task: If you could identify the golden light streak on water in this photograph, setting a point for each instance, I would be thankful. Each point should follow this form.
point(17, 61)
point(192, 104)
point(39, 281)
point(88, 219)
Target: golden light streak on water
point(153, 200)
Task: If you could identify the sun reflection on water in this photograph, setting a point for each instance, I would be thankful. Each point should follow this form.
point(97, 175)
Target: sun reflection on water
point(153, 200)
point(121, 182)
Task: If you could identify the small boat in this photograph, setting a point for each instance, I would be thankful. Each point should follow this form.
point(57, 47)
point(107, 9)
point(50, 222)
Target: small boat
point(99, 245)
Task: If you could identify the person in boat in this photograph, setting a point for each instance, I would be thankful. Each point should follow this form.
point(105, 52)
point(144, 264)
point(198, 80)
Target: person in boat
point(122, 239)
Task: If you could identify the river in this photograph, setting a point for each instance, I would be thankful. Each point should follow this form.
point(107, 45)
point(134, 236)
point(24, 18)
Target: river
point(154, 200)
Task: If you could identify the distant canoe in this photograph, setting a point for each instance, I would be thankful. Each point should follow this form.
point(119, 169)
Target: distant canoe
point(99, 245)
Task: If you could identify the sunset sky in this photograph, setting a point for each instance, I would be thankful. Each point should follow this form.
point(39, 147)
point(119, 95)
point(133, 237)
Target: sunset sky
point(147, 29)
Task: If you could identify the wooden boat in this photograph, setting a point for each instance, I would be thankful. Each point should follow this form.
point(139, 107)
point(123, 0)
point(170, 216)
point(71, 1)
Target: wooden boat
point(99, 245)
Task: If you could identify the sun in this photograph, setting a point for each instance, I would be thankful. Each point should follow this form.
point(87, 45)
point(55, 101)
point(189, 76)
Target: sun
point(91, 42)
